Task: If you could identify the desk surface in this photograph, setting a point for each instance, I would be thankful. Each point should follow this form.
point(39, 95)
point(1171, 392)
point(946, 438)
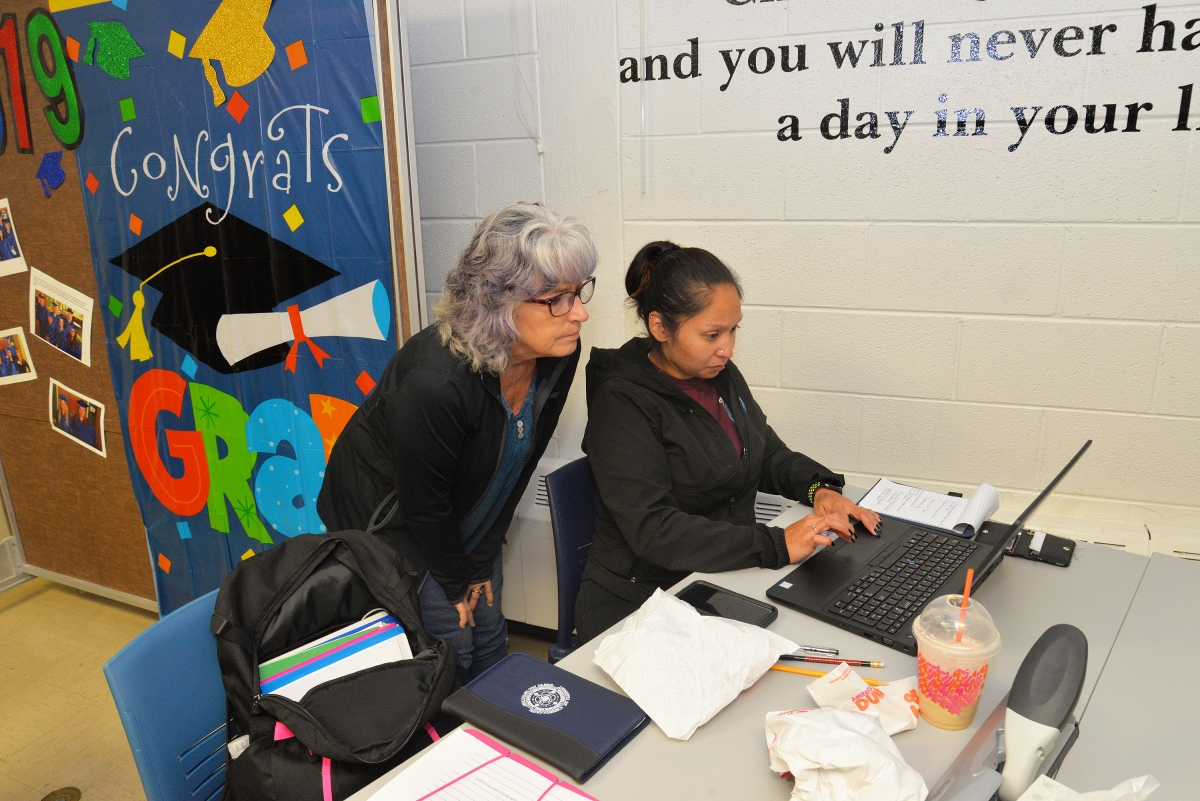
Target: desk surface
point(1142, 716)
point(727, 757)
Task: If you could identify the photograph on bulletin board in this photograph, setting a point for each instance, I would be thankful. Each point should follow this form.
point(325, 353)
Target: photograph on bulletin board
point(12, 258)
point(16, 365)
point(60, 316)
point(77, 417)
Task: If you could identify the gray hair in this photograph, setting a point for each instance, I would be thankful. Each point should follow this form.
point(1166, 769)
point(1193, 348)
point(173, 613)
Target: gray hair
point(517, 253)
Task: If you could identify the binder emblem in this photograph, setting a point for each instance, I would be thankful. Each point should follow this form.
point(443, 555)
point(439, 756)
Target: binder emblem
point(545, 699)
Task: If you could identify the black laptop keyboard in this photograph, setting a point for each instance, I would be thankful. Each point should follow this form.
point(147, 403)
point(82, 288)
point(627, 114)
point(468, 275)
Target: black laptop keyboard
point(901, 580)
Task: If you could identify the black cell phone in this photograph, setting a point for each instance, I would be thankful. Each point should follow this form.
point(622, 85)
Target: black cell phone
point(709, 599)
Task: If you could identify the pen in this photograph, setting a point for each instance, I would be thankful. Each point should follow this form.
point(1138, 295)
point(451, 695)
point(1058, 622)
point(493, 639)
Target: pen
point(830, 660)
point(819, 674)
point(818, 649)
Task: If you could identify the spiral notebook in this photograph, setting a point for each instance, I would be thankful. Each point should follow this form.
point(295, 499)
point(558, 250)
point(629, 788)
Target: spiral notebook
point(467, 765)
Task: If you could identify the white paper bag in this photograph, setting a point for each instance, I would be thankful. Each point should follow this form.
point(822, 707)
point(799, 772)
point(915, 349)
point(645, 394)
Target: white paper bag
point(897, 704)
point(840, 756)
point(681, 667)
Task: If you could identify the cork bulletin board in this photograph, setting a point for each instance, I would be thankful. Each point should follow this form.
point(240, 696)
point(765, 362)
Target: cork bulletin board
point(75, 508)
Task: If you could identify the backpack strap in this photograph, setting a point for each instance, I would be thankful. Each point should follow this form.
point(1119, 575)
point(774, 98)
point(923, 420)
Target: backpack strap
point(374, 526)
point(221, 627)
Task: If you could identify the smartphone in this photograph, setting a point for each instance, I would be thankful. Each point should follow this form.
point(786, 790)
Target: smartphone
point(709, 599)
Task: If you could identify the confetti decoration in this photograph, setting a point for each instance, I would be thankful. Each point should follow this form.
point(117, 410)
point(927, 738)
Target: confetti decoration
point(121, 4)
point(370, 108)
point(237, 107)
point(249, 552)
point(293, 217)
point(297, 55)
point(73, 49)
point(128, 112)
point(188, 366)
point(135, 224)
point(115, 306)
point(116, 48)
point(176, 44)
point(365, 383)
point(92, 182)
point(331, 416)
point(235, 36)
point(164, 563)
point(50, 172)
point(185, 531)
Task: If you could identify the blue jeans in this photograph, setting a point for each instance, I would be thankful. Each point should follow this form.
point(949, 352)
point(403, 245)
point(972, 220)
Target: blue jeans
point(480, 647)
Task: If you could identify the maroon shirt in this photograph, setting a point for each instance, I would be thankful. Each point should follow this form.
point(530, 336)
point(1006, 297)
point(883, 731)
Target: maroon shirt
point(704, 393)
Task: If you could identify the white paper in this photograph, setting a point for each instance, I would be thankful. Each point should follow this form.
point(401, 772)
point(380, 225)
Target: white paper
point(1046, 789)
point(452, 756)
point(463, 766)
point(12, 256)
point(933, 509)
point(896, 705)
point(839, 756)
point(683, 668)
point(65, 417)
point(45, 292)
point(15, 358)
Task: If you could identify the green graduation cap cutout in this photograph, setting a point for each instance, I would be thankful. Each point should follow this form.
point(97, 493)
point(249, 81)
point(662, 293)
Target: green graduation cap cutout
point(116, 48)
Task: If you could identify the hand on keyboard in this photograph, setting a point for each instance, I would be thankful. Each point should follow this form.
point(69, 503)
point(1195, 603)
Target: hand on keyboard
point(806, 534)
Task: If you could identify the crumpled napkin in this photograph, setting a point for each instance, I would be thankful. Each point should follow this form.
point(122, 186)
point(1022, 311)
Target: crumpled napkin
point(1046, 789)
point(840, 756)
point(682, 667)
point(897, 704)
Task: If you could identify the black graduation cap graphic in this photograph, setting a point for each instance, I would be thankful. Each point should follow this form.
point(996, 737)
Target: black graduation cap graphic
point(206, 271)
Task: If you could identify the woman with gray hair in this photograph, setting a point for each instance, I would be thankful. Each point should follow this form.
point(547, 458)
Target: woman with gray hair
point(462, 414)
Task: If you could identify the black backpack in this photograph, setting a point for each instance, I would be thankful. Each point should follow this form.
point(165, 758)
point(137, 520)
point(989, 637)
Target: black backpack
point(343, 734)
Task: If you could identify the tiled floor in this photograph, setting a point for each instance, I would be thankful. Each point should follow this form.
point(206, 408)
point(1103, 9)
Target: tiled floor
point(58, 725)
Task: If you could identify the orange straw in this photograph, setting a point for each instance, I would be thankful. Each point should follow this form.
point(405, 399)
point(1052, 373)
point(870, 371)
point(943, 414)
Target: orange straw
point(966, 599)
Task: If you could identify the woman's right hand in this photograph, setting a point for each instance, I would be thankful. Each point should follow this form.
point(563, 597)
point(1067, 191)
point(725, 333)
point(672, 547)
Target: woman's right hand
point(466, 607)
point(803, 536)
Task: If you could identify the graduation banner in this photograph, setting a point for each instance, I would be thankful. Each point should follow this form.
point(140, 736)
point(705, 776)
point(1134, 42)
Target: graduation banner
point(235, 185)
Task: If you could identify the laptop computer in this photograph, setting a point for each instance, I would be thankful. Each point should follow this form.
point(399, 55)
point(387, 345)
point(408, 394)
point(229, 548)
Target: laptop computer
point(875, 586)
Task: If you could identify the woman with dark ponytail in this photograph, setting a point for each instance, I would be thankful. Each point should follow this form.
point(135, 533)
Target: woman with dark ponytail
point(679, 448)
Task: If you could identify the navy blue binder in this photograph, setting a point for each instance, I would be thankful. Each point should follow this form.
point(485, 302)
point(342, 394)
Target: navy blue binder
point(568, 721)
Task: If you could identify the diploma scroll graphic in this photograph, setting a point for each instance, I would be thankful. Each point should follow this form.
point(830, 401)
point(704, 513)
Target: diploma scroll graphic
point(363, 312)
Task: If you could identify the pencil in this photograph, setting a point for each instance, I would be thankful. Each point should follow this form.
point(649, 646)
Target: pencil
point(819, 674)
point(830, 660)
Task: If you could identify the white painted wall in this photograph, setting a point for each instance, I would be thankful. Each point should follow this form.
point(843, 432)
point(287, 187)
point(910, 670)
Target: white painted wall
point(946, 314)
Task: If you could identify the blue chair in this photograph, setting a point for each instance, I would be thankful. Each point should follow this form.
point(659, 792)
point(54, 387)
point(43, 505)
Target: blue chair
point(167, 687)
point(572, 494)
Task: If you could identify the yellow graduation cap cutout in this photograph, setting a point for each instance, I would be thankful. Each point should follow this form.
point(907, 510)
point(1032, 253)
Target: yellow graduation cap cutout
point(235, 36)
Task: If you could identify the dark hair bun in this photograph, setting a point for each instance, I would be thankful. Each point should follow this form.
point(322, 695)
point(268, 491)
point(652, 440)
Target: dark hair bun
point(675, 282)
point(649, 257)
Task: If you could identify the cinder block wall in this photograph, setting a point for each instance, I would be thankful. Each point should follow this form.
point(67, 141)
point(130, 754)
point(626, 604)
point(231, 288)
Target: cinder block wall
point(946, 314)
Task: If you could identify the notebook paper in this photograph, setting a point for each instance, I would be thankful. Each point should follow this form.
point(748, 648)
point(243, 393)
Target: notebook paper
point(933, 509)
point(467, 765)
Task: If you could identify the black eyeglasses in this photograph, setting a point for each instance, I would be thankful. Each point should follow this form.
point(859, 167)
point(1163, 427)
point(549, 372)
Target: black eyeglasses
point(561, 304)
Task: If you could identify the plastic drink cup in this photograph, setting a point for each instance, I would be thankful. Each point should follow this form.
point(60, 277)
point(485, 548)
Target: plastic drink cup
point(951, 669)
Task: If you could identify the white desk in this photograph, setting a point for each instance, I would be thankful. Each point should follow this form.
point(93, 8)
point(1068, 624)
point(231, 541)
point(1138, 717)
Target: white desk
point(1144, 714)
point(727, 757)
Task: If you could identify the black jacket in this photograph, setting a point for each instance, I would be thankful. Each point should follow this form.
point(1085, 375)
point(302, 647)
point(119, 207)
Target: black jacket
point(673, 496)
point(433, 430)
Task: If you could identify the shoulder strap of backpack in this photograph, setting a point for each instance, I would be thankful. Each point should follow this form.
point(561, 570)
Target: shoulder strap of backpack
point(221, 627)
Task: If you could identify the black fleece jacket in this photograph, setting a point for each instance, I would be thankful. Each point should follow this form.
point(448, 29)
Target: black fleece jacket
point(433, 430)
point(672, 494)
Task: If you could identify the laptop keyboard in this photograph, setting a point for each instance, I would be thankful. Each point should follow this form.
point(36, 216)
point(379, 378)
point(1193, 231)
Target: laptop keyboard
point(901, 580)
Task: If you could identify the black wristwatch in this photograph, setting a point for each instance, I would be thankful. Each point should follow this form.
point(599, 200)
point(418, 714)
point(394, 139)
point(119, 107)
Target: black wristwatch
point(820, 485)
